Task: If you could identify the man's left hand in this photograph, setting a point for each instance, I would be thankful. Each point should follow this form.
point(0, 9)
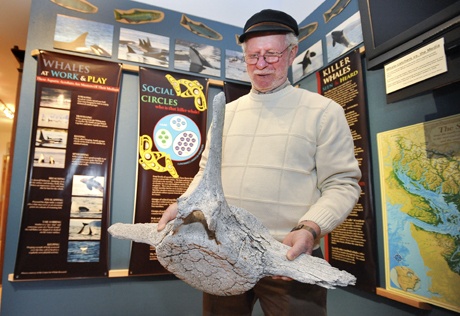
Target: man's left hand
point(301, 241)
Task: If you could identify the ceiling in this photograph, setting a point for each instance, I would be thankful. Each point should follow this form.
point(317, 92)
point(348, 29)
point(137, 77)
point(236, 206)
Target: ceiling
point(14, 15)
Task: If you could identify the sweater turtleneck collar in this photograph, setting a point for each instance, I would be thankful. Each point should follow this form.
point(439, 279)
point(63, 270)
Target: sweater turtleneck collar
point(272, 96)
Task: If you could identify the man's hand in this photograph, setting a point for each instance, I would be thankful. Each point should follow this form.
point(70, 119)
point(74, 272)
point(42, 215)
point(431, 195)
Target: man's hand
point(301, 241)
point(168, 215)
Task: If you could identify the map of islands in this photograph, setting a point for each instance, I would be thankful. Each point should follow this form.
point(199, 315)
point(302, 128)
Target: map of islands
point(420, 184)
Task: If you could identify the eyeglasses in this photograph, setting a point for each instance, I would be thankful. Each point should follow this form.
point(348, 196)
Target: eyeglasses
point(269, 57)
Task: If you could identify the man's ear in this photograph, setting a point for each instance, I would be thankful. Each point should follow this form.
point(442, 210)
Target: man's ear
point(293, 54)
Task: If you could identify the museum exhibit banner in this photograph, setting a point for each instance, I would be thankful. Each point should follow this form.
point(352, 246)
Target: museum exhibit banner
point(420, 175)
point(65, 215)
point(352, 245)
point(172, 136)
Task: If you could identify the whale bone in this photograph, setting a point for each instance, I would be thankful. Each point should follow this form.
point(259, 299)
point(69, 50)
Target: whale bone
point(222, 249)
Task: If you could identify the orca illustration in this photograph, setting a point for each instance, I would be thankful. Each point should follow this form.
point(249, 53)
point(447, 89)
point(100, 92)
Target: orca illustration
point(83, 209)
point(47, 140)
point(306, 60)
point(98, 50)
point(146, 45)
point(339, 38)
point(131, 50)
point(197, 61)
point(148, 50)
point(80, 41)
point(94, 224)
point(79, 45)
point(92, 183)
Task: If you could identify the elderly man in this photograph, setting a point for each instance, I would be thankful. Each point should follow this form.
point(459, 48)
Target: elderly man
point(288, 158)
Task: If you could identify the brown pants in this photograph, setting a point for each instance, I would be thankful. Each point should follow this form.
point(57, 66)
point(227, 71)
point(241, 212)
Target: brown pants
point(276, 297)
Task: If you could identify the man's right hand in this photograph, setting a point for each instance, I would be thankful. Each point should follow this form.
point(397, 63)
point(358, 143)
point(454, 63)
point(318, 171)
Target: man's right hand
point(168, 215)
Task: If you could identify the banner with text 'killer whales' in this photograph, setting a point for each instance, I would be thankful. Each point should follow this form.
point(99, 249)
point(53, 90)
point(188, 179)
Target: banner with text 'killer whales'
point(172, 136)
point(352, 245)
point(65, 216)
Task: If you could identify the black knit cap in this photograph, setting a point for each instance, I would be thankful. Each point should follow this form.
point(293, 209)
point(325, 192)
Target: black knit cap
point(269, 20)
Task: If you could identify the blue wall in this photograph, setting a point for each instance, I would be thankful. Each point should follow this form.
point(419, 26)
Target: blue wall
point(166, 295)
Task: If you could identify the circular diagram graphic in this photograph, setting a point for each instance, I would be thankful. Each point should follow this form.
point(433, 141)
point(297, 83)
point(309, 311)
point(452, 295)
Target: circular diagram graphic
point(178, 122)
point(185, 144)
point(163, 138)
point(178, 136)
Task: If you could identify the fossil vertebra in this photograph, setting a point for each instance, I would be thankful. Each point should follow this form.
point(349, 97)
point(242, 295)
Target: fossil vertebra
point(219, 248)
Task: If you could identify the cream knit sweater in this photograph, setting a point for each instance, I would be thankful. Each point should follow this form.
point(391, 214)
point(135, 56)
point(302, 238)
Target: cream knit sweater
point(288, 156)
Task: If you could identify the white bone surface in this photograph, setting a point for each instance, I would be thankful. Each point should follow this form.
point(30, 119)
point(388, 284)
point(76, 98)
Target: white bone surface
point(222, 249)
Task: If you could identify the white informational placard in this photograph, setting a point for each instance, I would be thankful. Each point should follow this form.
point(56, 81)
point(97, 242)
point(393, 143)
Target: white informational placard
point(417, 66)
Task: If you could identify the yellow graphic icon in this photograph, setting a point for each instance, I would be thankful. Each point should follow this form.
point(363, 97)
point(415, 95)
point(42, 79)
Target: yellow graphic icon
point(194, 89)
point(150, 160)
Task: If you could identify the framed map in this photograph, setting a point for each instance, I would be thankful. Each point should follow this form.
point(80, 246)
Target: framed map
point(420, 183)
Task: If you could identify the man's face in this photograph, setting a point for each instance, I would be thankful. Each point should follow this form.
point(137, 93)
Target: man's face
point(264, 76)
